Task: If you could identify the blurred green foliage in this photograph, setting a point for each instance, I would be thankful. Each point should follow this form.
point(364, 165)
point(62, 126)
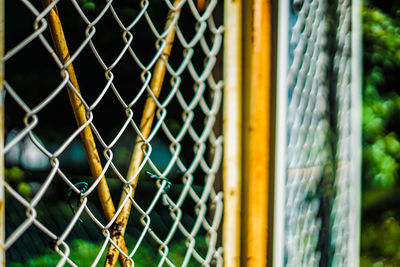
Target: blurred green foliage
point(380, 236)
point(381, 101)
point(16, 177)
point(84, 252)
point(14, 174)
point(381, 244)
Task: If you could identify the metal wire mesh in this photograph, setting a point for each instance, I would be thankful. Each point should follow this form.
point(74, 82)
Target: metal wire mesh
point(318, 177)
point(53, 213)
point(341, 208)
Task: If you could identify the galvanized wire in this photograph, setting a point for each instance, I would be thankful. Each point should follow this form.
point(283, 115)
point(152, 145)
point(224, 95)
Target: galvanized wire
point(184, 130)
point(341, 237)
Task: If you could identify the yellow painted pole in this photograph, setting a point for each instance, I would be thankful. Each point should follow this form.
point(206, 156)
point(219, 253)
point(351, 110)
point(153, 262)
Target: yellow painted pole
point(145, 128)
point(89, 144)
point(256, 133)
point(232, 127)
point(201, 5)
point(2, 200)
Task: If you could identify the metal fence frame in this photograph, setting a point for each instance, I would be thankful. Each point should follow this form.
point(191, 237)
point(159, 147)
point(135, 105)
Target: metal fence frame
point(246, 207)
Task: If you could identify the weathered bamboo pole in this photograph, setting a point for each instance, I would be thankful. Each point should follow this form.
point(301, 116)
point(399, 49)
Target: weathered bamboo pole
point(62, 51)
point(145, 128)
point(232, 129)
point(256, 150)
point(2, 200)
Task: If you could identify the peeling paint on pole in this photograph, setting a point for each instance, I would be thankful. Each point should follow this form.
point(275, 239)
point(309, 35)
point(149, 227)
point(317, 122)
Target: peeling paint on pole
point(232, 127)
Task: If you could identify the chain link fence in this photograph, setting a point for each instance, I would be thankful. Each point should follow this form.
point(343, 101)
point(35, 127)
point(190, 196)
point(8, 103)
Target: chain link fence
point(112, 148)
point(318, 223)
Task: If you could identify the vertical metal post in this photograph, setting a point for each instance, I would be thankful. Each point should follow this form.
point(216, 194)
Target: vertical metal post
point(232, 127)
point(280, 133)
point(256, 132)
point(356, 111)
point(2, 203)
